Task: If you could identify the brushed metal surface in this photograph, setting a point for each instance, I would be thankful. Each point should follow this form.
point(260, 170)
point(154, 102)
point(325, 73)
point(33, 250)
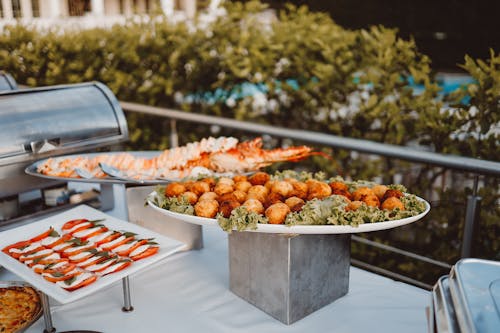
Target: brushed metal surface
point(289, 276)
point(37, 123)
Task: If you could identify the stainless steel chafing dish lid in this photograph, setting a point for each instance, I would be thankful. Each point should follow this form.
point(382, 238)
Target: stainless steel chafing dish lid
point(40, 122)
point(475, 290)
point(446, 320)
point(7, 82)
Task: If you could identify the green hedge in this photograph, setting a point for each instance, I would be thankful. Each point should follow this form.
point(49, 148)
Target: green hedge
point(313, 74)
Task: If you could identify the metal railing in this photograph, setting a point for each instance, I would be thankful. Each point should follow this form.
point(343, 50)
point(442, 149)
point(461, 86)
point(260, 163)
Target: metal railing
point(472, 165)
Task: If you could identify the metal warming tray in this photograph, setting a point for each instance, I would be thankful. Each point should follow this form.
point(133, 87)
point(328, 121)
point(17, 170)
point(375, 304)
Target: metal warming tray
point(38, 123)
point(7, 82)
point(444, 312)
point(475, 291)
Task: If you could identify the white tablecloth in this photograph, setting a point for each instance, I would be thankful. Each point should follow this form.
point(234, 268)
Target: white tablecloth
point(188, 292)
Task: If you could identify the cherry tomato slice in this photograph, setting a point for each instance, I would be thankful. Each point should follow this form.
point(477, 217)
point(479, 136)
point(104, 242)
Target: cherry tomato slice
point(42, 235)
point(84, 283)
point(70, 224)
point(56, 276)
point(149, 252)
point(123, 241)
point(126, 252)
point(17, 245)
point(108, 239)
point(124, 265)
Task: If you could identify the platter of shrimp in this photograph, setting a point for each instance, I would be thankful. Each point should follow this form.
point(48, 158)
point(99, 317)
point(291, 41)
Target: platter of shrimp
point(289, 202)
point(209, 156)
point(76, 253)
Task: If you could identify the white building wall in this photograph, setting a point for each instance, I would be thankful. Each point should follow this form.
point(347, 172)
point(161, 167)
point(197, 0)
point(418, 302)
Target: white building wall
point(112, 7)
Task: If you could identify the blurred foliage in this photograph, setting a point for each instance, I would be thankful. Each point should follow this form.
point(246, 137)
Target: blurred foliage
point(301, 70)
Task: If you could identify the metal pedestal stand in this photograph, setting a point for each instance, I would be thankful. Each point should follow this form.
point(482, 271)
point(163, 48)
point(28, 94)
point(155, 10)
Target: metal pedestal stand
point(49, 327)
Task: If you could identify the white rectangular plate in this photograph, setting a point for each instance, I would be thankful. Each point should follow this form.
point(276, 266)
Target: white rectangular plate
point(167, 246)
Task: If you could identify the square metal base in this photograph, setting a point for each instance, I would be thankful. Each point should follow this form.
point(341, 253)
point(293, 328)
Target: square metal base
point(289, 276)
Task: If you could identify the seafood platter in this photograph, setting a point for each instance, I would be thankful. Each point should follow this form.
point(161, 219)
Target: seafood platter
point(75, 253)
point(210, 156)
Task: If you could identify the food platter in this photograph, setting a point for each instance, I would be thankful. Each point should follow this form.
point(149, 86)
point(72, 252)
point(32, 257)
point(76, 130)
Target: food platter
point(32, 170)
point(298, 229)
point(167, 246)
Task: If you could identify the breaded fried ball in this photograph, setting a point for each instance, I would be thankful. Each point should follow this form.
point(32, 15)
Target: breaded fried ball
point(392, 193)
point(269, 184)
point(299, 190)
point(392, 203)
point(191, 197)
point(353, 205)
point(344, 193)
point(240, 178)
point(317, 189)
point(240, 196)
point(226, 207)
point(210, 181)
point(188, 184)
point(254, 205)
point(200, 187)
point(208, 196)
point(206, 208)
point(174, 189)
point(225, 180)
point(338, 186)
point(273, 198)
point(379, 190)
point(295, 203)
point(371, 200)
point(290, 180)
point(361, 192)
point(259, 192)
point(276, 213)
point(259, 178)
point(226, 196)
point(221, 189)
point(282, 187)
point(242, 185)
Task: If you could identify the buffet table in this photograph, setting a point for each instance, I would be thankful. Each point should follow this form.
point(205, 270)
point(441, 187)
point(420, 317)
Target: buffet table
point(188, 292)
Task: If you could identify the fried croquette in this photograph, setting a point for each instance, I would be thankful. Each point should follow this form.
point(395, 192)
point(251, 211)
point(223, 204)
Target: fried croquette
point(242, 185)
point(226, 207)
point(210, 181)
point(317, 189)
point(299, 190)
point(174, 189)
point(392, 193)
point(221, 189)
point(361, 192)
point(258, 192)
point(191, 197)
point(240, 196)
point(208, 196)
point(392, 203)
point(254, 205)
point(225, 180)
point(273, 198)
point(200, 187)
point(240, 178)
point(379, 190)
point(259, 178)
point(277, 213)
point(295, 203)
point(282, 187)
point(206, 208)
point(371, 200)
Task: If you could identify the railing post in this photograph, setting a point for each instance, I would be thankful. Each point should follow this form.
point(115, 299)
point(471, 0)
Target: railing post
point(174, 138)
point(471, 220)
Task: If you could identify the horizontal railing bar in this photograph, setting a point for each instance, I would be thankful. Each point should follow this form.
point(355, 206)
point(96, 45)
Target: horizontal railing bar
point(390, 274)
point(477, 166)
point(399, 251)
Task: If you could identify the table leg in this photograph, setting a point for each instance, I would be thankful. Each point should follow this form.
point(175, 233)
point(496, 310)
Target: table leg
point(49, 328)
point(126, 296)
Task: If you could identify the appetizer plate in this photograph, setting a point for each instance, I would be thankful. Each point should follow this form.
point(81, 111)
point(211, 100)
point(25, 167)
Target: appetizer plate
point(32, 170)
point(300, 229)
point(167, 246)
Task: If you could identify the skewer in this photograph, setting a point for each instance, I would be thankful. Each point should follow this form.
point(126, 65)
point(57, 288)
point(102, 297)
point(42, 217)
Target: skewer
point(126, 296)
